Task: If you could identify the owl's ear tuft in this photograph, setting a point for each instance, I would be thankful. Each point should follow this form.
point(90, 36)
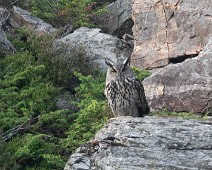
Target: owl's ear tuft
point(109, 62)
point(126, 61)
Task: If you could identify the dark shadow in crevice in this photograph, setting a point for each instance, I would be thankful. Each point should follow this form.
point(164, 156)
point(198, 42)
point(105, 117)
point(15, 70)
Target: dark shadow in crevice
point(181, 59)
point(125, 28)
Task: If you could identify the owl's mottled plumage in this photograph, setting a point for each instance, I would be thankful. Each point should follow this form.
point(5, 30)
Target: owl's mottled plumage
point(125, 93)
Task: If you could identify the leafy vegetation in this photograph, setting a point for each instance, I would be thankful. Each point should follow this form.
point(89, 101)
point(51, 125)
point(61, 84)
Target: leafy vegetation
point(34, 133)
point(26, 95)
point(59, 65)
point(93, 111)
point(140, 74)
point(61, 12)
point(185, 115)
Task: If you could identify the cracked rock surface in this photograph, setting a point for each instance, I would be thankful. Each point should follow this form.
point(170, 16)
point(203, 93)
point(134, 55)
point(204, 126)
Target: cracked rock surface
point(120, 18)
point(183, 87)
point(167, 29)
point(117, 20)
point(149, 143)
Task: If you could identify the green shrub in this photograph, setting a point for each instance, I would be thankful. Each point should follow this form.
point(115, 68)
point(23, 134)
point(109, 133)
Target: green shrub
point(55, 123)
point(30, 123)
point(40, 151)
point(34, 134)
point(18, 38)
point(24, 90)
point(185, 115)
point(59, 65)
point(60, 12)
point(7, 159)
point(92, 110)
point(32, 129)
point(140, 74)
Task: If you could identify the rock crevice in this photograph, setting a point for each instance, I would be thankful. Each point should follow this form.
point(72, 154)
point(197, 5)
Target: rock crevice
point(187, 86)
point(169, 29)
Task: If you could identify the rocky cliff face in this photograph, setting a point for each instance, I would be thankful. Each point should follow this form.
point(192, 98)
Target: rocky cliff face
point(183, 87)
point(169, 31)
point(120, 20)
point(117, 19)
point(147, 143)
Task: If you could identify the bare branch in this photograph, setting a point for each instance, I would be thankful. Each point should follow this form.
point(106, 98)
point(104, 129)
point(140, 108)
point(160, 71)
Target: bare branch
point(20, 128)
point(5, 44)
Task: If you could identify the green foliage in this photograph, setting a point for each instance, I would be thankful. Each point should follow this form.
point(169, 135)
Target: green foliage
point(16, 37)
point(40, 150)
point(31, 152)
point(140, 74)
point(56, 123)
point(185, 115)
point(59, 65)
point(31, 125)
point(35, 135)
point(27, 93)
point(91, 87)
point(24, 91)
point(61, 12)
point(7, 159)
point(93, 110)
point(34, 130)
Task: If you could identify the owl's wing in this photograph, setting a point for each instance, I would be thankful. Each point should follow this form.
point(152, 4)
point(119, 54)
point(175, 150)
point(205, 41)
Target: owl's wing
point(142, 103)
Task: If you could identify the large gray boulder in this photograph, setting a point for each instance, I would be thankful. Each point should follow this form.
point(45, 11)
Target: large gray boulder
point(120, 18)
point(183, 87)
point(169, 31)
point(117, 20)
point(22, 18)
point(97, 45)
point(127, 143)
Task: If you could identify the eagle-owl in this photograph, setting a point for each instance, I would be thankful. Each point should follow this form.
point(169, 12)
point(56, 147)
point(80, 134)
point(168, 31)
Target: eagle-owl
point(125, 93)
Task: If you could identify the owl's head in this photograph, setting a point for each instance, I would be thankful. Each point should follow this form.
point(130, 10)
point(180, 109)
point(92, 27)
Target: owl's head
point(119, 69)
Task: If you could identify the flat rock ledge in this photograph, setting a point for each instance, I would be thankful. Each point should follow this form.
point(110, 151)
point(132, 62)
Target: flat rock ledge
point(127, 143)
